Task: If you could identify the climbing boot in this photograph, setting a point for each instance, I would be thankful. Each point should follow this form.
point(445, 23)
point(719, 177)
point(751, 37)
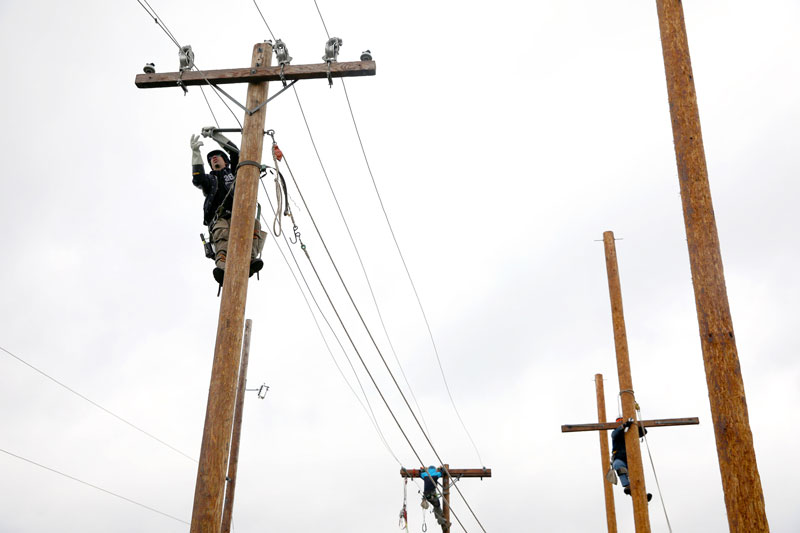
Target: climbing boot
point(219, 275)
point(627, 490)
point(649, 497)
point(255, 266)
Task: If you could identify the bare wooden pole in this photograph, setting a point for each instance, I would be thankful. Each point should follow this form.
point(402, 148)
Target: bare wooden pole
point(213, 464)
point(611, 514)
point(641, 516)
point(741, 483)
point(446, 497)
point(233, 464)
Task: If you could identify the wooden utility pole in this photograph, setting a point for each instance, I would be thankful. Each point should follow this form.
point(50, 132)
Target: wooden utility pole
point(611, 514)
point(641, 516)
point(213, 463)
point(233, 463)
point(741, 483)
point(447, 474)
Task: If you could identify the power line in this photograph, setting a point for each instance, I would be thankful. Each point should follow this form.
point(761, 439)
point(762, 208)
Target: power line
point(366, 368)
point(368, 408)
point(372, 338)
point(426, 321)
point(322, 19)
point(81, 396)
point(161, 24)
point(360, 261)
point(408, 273)
point(94, 486)
point(265, 20)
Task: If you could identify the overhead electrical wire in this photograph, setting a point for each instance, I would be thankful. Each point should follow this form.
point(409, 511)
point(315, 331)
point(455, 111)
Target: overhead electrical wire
point(352, 240)
point(408, 273)
point(265, 20)
point(360, 261)
point(419, 301)
point(81, 396)
point(369, 333)
point(364, 364)
point(94, 486)
point(161, 24)
point(368, 408)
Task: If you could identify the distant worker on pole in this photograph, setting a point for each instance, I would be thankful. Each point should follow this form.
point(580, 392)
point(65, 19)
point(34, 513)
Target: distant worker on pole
point(619, 457)
point(429, 493)
point(217, 187)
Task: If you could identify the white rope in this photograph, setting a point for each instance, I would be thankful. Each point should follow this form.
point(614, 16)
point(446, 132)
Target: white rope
point(655, 475)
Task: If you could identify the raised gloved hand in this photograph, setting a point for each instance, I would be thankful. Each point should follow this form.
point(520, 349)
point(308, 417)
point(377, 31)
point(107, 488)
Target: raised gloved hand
point(195, 143)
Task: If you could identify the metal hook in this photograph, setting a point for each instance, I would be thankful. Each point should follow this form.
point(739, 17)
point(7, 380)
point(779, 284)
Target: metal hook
point(296, 235)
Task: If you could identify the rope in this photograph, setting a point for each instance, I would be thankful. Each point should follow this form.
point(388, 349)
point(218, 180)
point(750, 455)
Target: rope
point(655, 475)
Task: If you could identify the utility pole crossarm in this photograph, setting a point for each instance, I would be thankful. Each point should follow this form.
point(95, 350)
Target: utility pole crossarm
point(255, 75)
point(569, 428)
point(454, 472)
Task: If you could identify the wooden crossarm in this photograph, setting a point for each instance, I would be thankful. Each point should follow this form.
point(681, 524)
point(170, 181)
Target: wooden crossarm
point(454, 472)
point(568, 428)
point(248, 75)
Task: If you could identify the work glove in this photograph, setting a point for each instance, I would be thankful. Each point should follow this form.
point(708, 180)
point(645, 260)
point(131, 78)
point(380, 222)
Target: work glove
point(195, 143)
point(628, 424)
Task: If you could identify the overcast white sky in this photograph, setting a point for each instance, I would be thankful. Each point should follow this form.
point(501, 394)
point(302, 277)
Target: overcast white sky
point(504, 138)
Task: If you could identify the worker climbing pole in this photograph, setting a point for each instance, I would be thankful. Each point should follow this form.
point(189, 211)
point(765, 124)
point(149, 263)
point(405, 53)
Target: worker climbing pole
point(212, 466)
point(218, 188)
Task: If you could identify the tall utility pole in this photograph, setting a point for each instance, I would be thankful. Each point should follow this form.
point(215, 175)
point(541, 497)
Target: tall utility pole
point(641, 516)
point(447, 474)
point(210, 487)
point(233, 463)
point(611, 514)
point(214, 450)
point(741, 483)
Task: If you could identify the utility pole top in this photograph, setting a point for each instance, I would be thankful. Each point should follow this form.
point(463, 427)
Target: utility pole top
point(256, 74)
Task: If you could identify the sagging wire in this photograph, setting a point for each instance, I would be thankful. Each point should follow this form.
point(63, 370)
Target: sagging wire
point(373, 340)
point(380, 354)
point(368, 408)
point(81, 396)
point(101, 489)
point(408, 274)
point(161, 24)
point(358, 255)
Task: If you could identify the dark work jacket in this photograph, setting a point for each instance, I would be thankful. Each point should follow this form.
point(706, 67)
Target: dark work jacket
point(216, 186)
point(429, 481)
point(618, 442)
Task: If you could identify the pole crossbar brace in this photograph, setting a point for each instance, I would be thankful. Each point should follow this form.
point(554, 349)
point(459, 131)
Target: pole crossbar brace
point(664, 422)
point(454, 472)
point(256, 74)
